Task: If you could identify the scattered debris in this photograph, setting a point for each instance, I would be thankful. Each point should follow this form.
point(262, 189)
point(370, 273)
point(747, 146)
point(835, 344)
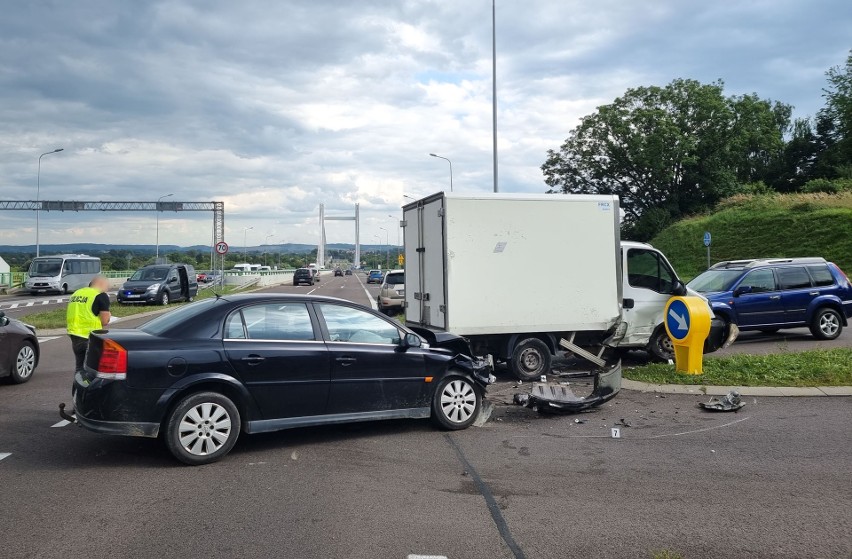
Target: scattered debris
point(579, 421)
point(623, 423)
point(546, 397)
point(729, 402)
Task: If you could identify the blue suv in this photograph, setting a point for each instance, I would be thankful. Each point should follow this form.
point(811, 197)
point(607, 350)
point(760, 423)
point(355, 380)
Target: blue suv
point(771, 294)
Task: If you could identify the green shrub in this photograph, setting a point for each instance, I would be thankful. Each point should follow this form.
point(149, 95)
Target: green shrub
point(820, 185)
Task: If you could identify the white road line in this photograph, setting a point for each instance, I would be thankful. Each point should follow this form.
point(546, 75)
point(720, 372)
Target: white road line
point(312, 290)
point(14, 305)
point(413, 556)
point(62, 423)
point(5, 455)
point(43, 339)
point(369, 298)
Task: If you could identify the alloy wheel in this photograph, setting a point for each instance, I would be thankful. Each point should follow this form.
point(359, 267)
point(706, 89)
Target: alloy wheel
point(458, 401)
point(829, 324)
point(25, 362)
point(204, 429)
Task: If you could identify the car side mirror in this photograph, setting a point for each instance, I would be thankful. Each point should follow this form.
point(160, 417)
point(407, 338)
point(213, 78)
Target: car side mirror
point(173, 280)
point(742, 290)
point(410, 340)
point(679, 288)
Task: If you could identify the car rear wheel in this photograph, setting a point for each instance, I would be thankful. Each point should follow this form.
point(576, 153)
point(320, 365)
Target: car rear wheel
point(24, 364)
point(202, 428)
point(826, 324)
point(660, 346)
point(530, 359)
point(456, 403)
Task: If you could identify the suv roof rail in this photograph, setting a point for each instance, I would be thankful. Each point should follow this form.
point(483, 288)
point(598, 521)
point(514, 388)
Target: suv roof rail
point(755, 262)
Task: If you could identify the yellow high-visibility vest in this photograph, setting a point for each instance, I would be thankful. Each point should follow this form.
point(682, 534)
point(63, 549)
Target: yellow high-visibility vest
point(81, 320)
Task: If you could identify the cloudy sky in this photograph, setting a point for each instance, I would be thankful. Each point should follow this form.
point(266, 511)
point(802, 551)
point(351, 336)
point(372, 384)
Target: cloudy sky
point(277, 106)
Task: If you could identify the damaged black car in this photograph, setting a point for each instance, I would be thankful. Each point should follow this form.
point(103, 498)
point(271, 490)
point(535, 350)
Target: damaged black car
point(202, 374)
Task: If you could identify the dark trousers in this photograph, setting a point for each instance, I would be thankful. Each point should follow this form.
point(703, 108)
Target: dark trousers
point(79, 346)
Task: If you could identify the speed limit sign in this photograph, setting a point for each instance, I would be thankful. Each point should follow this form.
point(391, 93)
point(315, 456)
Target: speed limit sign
point(221, 247)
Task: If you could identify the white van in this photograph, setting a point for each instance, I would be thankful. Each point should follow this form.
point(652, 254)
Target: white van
point(63, 273)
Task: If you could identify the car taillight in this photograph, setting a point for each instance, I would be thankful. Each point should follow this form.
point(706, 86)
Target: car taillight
point(842, 273)
point(112, 364)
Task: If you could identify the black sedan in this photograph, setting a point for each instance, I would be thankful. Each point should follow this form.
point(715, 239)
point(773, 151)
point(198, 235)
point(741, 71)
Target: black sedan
point(19, 350)
point(204, 373)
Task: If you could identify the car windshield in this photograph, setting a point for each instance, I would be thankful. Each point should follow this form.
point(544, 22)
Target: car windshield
point(395, 279)
point(154, 274)
point(171, 319)
point(715, 280)
point(48, 267)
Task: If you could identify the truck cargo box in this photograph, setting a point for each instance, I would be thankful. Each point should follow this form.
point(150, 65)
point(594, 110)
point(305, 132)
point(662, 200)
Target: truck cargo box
point(512, 263)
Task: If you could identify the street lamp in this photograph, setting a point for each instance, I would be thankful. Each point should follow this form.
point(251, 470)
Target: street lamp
point(451, 169)
point(266, 242)
point(157, 209)
point(380, 242)
point(245, 247)
point(38, 191)
point(387, 247)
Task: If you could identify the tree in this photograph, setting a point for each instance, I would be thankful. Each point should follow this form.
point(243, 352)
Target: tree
point(676, 149)
point(834, 124)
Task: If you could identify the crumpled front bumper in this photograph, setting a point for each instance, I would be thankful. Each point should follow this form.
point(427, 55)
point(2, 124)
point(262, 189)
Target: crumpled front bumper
point(546, 396)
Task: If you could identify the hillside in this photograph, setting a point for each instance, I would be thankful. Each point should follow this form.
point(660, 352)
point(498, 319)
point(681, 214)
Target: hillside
point(770, 226)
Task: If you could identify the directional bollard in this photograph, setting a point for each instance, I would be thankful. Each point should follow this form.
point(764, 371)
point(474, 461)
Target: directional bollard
point(688, 325)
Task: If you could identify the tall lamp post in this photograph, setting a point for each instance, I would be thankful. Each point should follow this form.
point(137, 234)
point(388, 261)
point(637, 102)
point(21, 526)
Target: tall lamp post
point(266, 242)
point(380, 242)
point(38, 192)
point(494, 84)
point(451, 168)
point(387, 247)
point(245, 246)
point(157, 256)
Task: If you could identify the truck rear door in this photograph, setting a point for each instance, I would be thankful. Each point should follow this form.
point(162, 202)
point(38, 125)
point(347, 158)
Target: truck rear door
point(425, 287)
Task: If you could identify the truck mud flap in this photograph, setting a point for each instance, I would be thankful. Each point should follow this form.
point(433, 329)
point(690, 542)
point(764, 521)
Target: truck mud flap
point(556, 398)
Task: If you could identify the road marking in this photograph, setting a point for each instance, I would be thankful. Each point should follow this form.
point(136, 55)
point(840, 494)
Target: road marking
point(700, 430)
point(62, 423)
point(413, 556)
point(5, 455)
point(42, 339)
point(312, 290)
point(369, 298)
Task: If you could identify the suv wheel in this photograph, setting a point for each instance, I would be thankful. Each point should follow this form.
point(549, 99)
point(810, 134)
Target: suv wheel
point(660, 346)
point(530, 359)
point(456, 403)
point(826, 324)
point(203, 428)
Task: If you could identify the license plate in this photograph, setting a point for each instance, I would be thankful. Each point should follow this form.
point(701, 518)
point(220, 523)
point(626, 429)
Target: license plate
point(132, 296)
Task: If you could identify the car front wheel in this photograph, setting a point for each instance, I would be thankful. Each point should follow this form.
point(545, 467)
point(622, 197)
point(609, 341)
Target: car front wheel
point(660, 346)
point(456, 403)
point(202, 428)
point(164, 298)
point(24, 364)
point(827, 324)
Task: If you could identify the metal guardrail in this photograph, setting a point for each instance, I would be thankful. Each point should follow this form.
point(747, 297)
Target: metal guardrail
point(17, 279)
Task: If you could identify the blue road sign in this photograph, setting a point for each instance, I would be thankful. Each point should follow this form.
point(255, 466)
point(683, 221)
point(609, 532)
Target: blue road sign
point(707, 238)
point(678, 319)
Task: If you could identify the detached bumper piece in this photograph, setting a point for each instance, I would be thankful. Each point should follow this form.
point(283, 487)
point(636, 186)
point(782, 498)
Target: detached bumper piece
point(558, 398)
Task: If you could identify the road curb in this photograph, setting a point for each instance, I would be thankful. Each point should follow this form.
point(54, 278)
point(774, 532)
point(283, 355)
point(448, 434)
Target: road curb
point(709, 390)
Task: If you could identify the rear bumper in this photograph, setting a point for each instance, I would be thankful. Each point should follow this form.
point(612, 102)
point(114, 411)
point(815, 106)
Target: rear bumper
point(113, 408)
point(127, 428)
point(386, 302)
point(720, 337)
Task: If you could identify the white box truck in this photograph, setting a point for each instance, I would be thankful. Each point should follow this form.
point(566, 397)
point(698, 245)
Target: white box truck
point(522, 276)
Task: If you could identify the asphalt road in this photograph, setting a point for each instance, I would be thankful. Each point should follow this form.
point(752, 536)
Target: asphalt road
point(770, 481)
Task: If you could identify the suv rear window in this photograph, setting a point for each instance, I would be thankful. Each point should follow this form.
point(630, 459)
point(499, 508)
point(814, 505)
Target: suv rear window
point(793, 277)
point(821, 275)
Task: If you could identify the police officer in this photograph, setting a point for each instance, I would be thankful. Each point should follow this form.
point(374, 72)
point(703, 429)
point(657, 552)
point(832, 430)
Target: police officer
point(88, 309)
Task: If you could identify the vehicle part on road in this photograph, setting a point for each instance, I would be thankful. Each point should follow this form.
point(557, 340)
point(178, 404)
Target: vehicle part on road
point(730, 402)
point(530, 359)
point(202, 428)
point(546, 397)
point(457, 403)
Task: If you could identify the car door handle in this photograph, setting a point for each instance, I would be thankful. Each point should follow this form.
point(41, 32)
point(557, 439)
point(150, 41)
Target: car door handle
point(346, 361)
point(775, 297)
point(253, 359)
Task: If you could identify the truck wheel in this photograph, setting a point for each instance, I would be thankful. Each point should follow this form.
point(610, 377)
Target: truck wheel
point(456, 403)
point(660, 346)
point(203, 428)
point(530, 359)
point(826, 324)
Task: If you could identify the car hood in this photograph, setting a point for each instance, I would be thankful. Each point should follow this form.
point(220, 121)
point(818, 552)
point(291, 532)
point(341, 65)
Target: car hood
point(140, 283)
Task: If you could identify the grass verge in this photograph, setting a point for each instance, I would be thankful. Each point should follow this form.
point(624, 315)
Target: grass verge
point(56, 318)
point(824, 367)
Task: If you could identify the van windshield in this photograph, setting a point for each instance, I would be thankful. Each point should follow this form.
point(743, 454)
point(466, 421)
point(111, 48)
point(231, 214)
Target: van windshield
point(49, 267)
point(714, 280)
point(155, 274)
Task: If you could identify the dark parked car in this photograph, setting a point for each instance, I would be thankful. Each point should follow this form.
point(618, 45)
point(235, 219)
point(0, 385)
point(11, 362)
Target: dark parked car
point(338, 272)
point(161, 284)
point(19, 350)
point(347, 273)
point(204, 373)
point(375, 276)
point(303, 275)
point(771, 294)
